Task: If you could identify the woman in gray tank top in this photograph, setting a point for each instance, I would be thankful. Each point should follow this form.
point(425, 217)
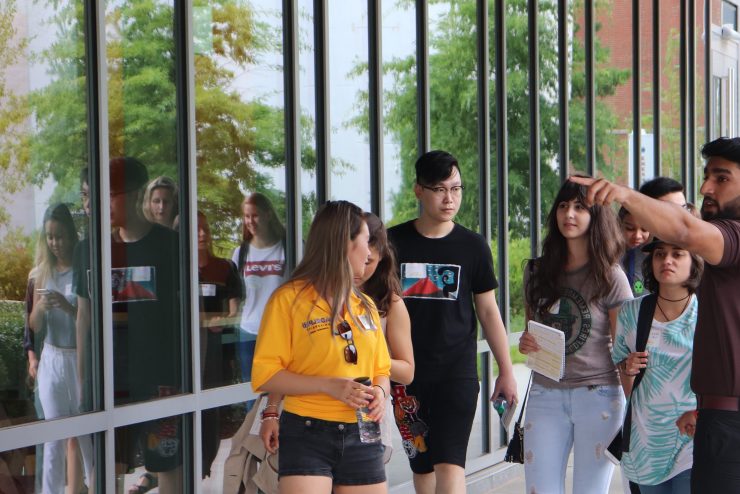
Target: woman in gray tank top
point(53, 316)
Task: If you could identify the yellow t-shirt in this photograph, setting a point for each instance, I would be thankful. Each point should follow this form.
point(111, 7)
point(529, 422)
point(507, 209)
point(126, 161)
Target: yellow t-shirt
point(295, 335)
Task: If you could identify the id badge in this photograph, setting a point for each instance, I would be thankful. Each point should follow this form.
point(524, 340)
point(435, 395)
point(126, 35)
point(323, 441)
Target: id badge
point(207, 290)
point(367, 322)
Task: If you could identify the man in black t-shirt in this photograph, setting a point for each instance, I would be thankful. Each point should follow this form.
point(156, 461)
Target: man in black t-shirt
point(447, 279)
point(147, 335)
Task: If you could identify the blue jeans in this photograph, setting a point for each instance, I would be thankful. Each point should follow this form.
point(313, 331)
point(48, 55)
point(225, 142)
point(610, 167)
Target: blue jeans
point(680, 484)
point(245, 354)
point(584, 419)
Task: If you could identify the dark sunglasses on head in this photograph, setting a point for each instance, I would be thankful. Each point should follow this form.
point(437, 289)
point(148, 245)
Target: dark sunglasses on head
point(350, 351)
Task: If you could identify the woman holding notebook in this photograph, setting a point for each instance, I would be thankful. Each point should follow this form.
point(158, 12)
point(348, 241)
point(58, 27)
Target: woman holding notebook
point(577, 287)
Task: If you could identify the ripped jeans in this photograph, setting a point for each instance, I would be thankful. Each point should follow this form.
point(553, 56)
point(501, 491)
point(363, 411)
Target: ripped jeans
point(584, 419)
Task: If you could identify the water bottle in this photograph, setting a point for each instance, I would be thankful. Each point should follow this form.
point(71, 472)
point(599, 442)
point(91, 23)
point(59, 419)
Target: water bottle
point(369, 429)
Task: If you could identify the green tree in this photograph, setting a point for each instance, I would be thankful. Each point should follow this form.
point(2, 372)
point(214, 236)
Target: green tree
point(452, 69)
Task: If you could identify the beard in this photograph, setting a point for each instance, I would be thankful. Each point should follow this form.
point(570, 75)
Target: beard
point(729, 211)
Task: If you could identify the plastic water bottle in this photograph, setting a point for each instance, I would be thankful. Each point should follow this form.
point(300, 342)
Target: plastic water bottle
point(369, 429)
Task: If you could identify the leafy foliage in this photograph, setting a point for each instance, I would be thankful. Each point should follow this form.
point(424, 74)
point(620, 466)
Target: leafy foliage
point(16, 262)
point(452, 69)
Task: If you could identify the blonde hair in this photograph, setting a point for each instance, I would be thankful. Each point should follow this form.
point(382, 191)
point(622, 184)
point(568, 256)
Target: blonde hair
point(325, 263)
point(263, 204)
point(161, 182)
point(46, 261)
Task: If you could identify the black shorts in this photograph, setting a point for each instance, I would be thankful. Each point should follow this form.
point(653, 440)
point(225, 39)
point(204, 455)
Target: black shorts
point(310, 446)
point(435, 420)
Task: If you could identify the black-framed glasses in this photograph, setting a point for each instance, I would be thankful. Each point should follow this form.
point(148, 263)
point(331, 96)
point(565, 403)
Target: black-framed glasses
point(454, 191)
point(350, 351)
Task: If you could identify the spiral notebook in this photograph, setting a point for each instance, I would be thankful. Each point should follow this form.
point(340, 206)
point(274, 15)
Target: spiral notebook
point(550, 359)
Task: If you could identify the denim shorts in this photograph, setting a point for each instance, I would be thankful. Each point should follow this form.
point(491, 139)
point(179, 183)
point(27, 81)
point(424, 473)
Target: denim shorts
point(310, 446)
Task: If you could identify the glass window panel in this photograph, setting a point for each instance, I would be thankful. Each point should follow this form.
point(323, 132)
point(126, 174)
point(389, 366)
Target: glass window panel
point(348, 85)
point(453, 95)
point(670, 106)
point(399, 111)
point(43, 224)
point(577, 94)
point(148, 334)
point(729, 14)
point(518, 106)
point(69, 463)
point(240, 145)
point(308, 113)
point(155, 452)
point(218, 426)
point(549, 108)
point(702, 106)
point(614, 101)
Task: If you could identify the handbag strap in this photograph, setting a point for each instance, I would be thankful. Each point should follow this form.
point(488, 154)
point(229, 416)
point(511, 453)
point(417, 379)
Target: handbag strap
point(644, 323)
point(524, 403)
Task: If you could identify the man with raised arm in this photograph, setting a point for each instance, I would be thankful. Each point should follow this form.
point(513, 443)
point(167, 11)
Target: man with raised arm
point(715, 373)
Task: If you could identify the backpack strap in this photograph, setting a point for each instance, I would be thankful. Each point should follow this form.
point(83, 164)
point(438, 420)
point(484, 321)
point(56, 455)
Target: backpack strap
point(644, 322)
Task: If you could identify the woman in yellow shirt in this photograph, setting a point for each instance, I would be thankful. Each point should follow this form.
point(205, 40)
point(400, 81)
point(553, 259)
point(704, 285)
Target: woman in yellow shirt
point(318, 334)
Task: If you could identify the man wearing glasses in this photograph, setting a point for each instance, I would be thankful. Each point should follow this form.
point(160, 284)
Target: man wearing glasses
point(447, 279)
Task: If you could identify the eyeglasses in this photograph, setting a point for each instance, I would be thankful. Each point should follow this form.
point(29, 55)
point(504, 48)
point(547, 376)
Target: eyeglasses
point(350, 351)
point(454, 191)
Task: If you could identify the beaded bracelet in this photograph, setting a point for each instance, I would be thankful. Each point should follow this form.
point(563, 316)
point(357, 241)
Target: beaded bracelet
point(269, 417)
point(271, 405)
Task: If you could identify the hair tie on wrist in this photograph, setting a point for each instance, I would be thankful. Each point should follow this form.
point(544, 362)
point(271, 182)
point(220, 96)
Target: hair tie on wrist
point(385, 395)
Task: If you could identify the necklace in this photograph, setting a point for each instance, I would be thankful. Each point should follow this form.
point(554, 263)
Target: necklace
point(671, 300)
point(682, 310)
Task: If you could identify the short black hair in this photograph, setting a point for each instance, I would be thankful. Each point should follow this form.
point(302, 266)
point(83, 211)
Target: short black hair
point(724, 147)
point(435, 166)
point(660, 186)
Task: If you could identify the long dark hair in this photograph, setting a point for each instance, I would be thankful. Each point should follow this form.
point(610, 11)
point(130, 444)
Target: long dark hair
point(384, 283)
point(605, 248)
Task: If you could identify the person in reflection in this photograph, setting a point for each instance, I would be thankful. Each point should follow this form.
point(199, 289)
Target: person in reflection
point(53, 315)
point(160, 201)
point(147, 334)
point(577, 287)
point(318, 334)
point(221, 291)
point(260, 260)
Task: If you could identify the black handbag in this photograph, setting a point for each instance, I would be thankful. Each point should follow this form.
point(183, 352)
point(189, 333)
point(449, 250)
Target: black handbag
point(515, 449)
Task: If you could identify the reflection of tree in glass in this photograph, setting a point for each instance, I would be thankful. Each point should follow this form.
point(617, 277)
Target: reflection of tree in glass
point(452, 73)
point(233, 135)
point(13, 109)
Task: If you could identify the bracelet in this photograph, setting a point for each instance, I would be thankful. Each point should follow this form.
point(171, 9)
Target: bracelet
point(270, 414)
point(385, 395)
point(271, 405)
point(269, 417)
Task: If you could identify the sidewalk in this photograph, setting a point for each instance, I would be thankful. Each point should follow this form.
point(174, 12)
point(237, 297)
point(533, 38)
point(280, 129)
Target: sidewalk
point(517, 485)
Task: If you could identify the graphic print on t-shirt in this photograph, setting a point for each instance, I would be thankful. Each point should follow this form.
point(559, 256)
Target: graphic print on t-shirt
point(572, 316)
point(427, 280)
point(134, 284)
point(263, 268)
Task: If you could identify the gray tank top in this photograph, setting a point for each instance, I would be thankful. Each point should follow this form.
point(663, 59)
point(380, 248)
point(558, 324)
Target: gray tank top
point(59, 325)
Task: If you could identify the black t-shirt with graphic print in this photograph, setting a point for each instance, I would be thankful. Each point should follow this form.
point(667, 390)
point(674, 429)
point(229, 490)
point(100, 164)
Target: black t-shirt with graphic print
point(439, 277)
